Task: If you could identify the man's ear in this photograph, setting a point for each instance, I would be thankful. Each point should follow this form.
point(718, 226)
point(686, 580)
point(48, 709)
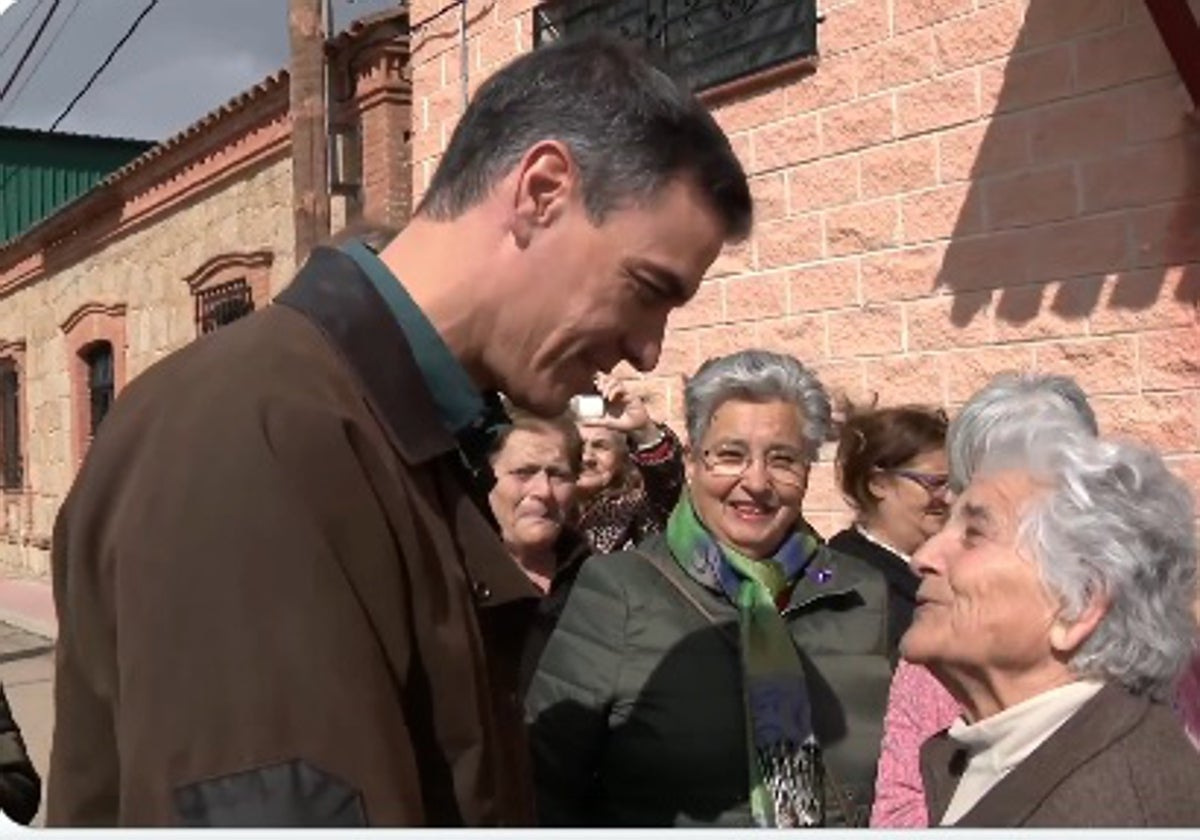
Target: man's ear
point(1067, 635)
point(543, 184)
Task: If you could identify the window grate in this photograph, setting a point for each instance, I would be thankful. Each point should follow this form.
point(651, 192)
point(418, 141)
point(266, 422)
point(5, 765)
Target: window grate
point(707, 42)
point(12, 470)
point(223, 304)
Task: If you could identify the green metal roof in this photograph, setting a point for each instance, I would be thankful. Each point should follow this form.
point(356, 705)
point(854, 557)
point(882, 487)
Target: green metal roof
point(41, 171)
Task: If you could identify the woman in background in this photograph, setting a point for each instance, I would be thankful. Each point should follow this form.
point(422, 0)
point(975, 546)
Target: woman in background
point(891, 465)
point(632, 471)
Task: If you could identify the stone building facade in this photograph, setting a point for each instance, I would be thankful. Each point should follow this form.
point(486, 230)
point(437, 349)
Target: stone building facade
point(194, 232)
point(961, 187)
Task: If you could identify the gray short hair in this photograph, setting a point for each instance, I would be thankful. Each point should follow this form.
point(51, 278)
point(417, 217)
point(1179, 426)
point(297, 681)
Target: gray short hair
point(757, 375)
point(1116, 522)
point(1011, 398)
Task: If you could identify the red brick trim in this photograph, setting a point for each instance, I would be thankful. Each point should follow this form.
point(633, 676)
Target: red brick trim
point(85, 327)
point(252, 266)
point(250, 131)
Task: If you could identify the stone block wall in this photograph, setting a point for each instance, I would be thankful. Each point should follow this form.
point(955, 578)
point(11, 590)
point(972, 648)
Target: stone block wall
point(141, 279)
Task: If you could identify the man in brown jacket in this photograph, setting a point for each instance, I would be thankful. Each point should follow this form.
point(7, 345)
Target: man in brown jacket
point(281, 600)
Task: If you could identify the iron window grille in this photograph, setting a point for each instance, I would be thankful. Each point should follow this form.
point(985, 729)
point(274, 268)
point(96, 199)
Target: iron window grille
point(12, 470)
point(223, 304)
point(706, 42)
point(99, 361)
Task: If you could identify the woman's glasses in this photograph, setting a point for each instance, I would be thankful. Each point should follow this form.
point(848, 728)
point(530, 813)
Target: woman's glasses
point(935, 484)
point(784, 466)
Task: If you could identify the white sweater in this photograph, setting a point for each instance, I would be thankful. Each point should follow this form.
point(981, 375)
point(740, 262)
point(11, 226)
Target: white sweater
point(999, 743)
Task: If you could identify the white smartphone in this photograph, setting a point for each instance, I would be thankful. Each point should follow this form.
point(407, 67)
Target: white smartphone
point(588, 406)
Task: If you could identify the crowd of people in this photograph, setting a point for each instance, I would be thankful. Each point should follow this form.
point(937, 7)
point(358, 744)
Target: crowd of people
point(352, 561)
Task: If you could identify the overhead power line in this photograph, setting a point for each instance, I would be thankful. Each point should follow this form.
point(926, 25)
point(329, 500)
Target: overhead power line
point(21, 28)
point(29, 49)
point(16, 96)
point(104, 64)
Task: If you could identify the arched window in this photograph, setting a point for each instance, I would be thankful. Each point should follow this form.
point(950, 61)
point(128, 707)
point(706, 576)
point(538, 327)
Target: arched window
point(12, 467)
point(96, 342)
point(100, 381)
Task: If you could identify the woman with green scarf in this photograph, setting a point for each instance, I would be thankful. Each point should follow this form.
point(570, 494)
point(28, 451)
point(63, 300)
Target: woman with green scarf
point(733, 670)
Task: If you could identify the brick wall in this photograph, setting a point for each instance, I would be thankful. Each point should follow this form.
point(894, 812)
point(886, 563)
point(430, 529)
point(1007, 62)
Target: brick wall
point(964, 187)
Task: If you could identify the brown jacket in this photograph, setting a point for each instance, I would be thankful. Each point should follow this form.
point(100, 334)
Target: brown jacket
point(278, 602)
point(1120, 761)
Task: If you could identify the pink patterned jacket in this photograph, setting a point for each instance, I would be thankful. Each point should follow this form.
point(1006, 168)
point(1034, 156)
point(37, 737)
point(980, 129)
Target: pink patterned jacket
point(919, 708)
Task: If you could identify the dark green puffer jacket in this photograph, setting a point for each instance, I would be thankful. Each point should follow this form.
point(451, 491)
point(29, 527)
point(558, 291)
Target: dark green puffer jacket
point(636, 707)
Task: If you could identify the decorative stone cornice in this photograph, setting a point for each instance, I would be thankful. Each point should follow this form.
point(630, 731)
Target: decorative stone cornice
point(223, 263)
point(112, 310)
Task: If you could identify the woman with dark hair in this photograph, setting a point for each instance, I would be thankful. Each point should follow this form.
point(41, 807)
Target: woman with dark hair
point(891, 466)
point(536, 461)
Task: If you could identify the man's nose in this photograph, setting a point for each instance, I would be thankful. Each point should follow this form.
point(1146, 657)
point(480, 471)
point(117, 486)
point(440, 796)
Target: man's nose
point(644, 351)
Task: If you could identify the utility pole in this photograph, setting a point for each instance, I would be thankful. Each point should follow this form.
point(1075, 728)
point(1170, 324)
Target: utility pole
point(310, 166)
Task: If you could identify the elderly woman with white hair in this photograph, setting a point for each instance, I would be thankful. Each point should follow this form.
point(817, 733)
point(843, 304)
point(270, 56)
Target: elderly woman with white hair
point(731, 671)
point(918, 705)
point(1056, 607)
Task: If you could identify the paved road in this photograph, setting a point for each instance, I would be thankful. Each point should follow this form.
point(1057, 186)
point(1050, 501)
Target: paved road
point(27, 672)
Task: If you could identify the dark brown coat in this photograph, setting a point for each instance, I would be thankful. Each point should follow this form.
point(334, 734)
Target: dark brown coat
point(1120, 761)
point(279, 604)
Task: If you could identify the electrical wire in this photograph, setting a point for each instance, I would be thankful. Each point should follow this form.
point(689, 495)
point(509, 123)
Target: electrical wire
point(29, 49)
point(104, 64)
point(21, 28)
point(16, 97)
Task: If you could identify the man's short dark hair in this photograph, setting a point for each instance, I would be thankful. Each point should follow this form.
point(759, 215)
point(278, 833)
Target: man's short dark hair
point(630, 127)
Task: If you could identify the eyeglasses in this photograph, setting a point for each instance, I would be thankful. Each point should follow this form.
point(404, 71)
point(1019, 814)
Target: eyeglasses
point(784, 467)
point(932, 483)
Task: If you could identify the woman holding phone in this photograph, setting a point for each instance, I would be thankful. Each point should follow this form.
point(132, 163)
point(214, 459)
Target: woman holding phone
point(632, 468)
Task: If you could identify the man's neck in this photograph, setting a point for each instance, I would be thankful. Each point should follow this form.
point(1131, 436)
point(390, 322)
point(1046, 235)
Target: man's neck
point(437, 263)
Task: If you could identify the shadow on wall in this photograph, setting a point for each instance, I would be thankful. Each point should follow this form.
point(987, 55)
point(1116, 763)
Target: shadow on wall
point(1084, 193)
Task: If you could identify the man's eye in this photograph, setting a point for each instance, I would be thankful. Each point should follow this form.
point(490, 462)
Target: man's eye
point(730, 456)
point(648, 291)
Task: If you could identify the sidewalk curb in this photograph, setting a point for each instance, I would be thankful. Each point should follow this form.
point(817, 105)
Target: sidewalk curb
point(29, 624)
point(28, 605)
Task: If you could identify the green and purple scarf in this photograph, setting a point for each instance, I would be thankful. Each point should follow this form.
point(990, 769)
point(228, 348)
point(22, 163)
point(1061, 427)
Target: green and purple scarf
point(786, 770)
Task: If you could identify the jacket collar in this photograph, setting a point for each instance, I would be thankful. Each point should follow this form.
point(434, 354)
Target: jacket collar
point(334, 294)
point(1106, 718)
point(900, 575)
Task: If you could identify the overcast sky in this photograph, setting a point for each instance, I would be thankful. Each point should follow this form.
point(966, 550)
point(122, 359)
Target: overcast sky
point(186, 58)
